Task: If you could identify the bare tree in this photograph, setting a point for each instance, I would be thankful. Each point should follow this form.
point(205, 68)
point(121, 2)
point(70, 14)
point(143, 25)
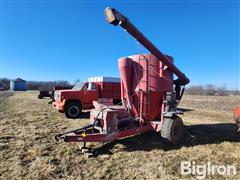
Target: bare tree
point(210, 89)
point(222, 91)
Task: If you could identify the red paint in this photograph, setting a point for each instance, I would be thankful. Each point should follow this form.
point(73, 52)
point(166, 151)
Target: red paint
point(87, 96)
point(236, 113)
point(144, 75)
point(146, 79)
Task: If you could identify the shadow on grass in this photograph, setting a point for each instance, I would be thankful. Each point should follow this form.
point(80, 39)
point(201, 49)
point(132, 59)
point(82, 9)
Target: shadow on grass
point(194, 135)
point(184, 110)
point(85, 114)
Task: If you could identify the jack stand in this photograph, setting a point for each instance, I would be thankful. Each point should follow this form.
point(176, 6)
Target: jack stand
point(88, 152)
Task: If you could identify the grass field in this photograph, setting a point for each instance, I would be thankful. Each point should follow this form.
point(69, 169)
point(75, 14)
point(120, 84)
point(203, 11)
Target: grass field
point(29, 151)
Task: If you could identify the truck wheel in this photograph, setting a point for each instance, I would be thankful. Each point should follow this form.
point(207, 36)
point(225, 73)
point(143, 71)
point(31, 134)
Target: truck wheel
point(40, 97)
point(172, 130)
point(73, 110)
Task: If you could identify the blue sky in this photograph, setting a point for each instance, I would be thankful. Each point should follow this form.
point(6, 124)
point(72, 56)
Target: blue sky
point(66, 40)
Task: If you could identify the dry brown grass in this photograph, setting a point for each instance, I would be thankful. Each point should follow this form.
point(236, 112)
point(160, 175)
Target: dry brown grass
point(4, 95)
point(28, 149)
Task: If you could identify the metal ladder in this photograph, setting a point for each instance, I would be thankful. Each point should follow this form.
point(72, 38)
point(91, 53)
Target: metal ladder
point(147, 72)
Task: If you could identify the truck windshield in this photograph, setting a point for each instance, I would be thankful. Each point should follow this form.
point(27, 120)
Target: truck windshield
point(78, 86)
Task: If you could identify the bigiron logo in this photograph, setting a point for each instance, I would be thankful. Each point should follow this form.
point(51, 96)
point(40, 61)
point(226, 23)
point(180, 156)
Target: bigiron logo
point(201, 171)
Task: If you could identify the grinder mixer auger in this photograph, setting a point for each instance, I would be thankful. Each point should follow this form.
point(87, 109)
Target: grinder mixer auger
point(148, 92)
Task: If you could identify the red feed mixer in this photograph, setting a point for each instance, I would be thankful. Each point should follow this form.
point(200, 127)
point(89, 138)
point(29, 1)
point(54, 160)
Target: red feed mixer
point(148, 92)
point(236, 114)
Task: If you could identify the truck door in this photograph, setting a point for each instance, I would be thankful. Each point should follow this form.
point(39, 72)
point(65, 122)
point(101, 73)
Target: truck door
point(90, 94)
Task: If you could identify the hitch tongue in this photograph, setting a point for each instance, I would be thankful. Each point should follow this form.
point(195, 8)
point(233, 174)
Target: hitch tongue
point(59, 138)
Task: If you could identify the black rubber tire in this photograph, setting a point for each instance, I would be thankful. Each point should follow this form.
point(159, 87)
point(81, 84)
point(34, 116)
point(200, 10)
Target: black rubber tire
point(73, 110)
point(40, 97)
point(172, 130)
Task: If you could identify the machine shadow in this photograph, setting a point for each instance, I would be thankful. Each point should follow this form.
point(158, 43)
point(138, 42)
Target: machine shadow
point(184, 110)
point(194, 135)
point(85, 115)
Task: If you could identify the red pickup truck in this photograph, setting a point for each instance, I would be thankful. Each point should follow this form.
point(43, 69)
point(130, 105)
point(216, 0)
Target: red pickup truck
point(82, 95)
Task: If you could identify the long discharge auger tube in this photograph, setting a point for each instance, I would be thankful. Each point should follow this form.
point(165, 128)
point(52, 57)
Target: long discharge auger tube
point(116, 18)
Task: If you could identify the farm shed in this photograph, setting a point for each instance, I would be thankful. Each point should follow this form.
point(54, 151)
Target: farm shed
point(18, 85)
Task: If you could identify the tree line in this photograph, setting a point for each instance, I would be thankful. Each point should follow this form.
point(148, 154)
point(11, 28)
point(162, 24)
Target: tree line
point(208, 89)
point(35, 85)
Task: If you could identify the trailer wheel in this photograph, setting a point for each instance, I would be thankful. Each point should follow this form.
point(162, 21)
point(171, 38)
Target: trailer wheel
point(172, 130)
point(73, 110)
